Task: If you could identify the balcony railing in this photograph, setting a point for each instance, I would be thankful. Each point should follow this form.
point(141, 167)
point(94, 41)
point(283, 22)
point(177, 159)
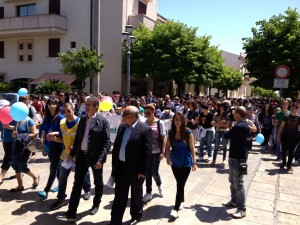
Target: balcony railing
point(134, 20)
point(33, 25)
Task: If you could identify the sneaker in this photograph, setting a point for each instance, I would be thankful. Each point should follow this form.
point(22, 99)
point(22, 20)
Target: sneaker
point(43, 194)
point(147, 197)
point(160, 190)
point(230, 204)
point(199, 159)
point(181, 205)
point(58, 204)
point(239, 214)
point(282, 165)
point(174, 213)
point(54, 190)
point(210, 158)
point(87, 195)
point(213, 163)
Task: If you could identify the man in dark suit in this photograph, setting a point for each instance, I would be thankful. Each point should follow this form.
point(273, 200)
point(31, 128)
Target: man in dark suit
point(130, 161)
point(92, 142)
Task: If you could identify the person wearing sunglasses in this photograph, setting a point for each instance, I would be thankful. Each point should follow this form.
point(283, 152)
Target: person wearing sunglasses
point(50, 131)
point(158, 151)
point(91, 145)
point(68, 128)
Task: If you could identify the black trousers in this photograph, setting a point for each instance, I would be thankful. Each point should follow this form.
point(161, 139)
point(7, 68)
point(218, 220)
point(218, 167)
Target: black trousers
point(80, 173)
point(7, 159)
point(288, 144)
point(266, 132)
point(181, 175)
point(123, 181)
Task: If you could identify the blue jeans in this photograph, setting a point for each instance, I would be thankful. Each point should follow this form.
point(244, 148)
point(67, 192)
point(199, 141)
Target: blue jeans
point(219, 135)
point(63, 180)
point(153, 172)
point(208, 139)
point(237, 188)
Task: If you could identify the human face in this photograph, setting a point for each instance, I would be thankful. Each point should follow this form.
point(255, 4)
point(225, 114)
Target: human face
point(52, 107)
point(149, 113)
point(128, 118)
point(68, 112)
point(177, 121)
point(90, 108)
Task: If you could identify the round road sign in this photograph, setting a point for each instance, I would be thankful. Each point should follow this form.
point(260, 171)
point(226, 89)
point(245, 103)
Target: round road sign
point(282, 72)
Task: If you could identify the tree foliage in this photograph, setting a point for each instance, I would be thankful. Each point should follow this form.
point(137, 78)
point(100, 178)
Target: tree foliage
point(173, 51)
point(231, 79)
point(81, 63)
point(264, 92)
point(48, 86)
point(5, 87)
point(275, 42)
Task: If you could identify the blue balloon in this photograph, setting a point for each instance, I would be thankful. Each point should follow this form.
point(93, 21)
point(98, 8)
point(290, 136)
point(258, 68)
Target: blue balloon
point(259, 138)
point(19, 111)
point(22, 92)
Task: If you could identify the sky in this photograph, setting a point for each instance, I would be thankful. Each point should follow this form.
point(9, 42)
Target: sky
point(227, 21)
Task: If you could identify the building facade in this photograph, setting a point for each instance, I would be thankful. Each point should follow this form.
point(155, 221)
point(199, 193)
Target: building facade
point(32, 32)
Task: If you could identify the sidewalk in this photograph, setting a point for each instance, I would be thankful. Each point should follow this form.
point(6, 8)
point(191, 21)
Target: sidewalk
point(273, 196)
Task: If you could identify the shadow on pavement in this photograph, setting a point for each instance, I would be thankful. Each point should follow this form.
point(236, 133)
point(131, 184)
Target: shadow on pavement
point(210, 214)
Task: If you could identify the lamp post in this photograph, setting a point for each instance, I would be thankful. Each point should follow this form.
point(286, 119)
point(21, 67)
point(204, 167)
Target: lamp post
point(128, 40)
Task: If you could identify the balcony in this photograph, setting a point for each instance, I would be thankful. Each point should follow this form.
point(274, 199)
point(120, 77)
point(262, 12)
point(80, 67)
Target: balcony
point(33, 25)
point(134, 20)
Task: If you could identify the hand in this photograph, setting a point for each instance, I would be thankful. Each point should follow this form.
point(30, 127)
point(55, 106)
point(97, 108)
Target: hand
point(98, 166)
point(161, 156)
point(49, 137)
point(169, 161)
point(141, 176)
point(69, 158)
point(14, 134)
point(194, 167)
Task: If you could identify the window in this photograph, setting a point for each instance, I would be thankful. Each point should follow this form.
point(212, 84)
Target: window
point(54, 47)
point(1, 49)
point(54, 7)
point(26, 10)
point(73, 44)
point(1, 12)
point(25, 51)
point(142, 9)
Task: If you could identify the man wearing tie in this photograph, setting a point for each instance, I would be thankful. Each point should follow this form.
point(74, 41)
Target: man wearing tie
point(130, 161)
point(92, 142)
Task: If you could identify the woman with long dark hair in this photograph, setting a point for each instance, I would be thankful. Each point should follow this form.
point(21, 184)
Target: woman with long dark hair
point(182, 157)
point(265, 119)
point(50, 128)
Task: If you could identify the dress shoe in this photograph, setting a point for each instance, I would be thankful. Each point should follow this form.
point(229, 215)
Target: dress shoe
point(87, 195)
point(94, 210)
point(64, 217)
point(133, 222)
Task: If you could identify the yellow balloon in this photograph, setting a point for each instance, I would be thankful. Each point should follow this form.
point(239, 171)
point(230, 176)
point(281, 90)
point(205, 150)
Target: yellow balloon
point(105, 105)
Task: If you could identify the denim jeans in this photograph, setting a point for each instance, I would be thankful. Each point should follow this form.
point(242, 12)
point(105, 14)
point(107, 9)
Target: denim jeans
point(54, 158)
point(63, 180)
point(219, 135)
point(208, 139)
point(237, 188)
point(153, 172)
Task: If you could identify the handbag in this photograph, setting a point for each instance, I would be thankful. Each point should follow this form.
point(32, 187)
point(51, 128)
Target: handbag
point(36, 144)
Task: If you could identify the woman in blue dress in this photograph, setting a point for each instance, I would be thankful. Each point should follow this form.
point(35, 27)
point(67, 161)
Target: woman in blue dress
point(182, 157)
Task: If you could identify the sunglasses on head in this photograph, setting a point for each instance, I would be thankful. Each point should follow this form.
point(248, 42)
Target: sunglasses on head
point(66, 111)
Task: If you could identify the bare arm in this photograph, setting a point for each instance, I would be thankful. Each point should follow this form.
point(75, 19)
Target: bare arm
point(193, 152)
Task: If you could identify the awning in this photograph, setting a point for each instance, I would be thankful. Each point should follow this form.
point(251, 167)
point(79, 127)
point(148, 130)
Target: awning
point(68, 79)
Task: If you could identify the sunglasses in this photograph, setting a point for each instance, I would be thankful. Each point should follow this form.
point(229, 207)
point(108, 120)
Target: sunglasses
point(66, 111)
point(148, 113)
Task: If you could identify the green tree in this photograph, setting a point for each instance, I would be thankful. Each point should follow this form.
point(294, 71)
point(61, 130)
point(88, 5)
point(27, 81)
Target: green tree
point(5, 87)
point(81, 63)
point(172, 51)
point(275, 42)
point(231, 79)
point(264, 92)
point(48, 86)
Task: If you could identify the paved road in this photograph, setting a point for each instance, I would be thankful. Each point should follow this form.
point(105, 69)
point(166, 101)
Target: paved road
point(273, 197)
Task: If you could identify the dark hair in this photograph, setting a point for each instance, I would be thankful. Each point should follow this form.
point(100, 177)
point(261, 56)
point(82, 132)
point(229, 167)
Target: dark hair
point(48, 112)
point(263, 111)
point(183, 130)
point(193, 104)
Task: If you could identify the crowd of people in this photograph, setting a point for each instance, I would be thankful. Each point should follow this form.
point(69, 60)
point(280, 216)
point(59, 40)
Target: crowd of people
point(73, 132)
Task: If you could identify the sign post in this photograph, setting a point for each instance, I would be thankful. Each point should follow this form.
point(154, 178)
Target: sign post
point(281, 72)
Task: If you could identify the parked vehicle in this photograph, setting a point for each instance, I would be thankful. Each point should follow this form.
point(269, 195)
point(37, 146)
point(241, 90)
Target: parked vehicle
point(11, 97)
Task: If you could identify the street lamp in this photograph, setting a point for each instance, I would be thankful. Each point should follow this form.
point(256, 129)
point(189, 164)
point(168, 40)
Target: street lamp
point(128, 40)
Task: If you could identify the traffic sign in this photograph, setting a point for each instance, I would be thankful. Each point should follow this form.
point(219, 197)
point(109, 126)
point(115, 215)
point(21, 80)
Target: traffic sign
point(282, 72)
point(281, 83)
